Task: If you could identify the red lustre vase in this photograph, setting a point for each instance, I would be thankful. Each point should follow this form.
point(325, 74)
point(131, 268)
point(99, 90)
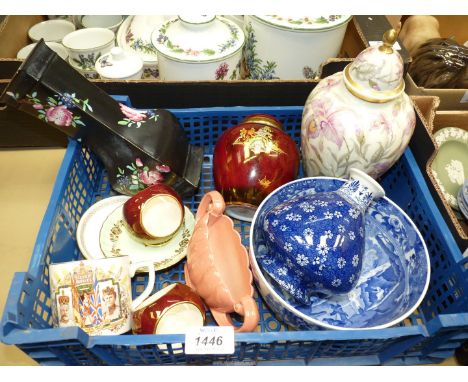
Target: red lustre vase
point(251, 160)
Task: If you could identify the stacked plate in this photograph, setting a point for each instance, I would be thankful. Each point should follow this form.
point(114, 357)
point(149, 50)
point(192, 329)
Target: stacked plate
point(450, 164)
point(102, 233)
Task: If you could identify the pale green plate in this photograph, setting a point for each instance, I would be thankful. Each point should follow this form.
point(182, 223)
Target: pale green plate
point(450, 166)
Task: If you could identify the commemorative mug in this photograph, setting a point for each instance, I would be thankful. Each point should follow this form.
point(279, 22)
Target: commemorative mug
point(96, 295)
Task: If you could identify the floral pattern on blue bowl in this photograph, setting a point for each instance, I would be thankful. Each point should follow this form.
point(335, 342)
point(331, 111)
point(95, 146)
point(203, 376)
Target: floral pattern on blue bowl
point(394, 277)
point(315, 244)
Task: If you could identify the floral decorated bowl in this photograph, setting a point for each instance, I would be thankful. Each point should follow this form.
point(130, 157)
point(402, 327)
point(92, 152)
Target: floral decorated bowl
point(85, 46)
point(203, 47)
point(90, 74)
point(291, 48)
point(394, 277)
point(134, 35)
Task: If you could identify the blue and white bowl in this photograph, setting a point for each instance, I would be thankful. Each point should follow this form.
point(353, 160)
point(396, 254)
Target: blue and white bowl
point(395, 271)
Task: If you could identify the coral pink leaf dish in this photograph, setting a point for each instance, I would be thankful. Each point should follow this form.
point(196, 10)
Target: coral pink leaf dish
point(217, 266)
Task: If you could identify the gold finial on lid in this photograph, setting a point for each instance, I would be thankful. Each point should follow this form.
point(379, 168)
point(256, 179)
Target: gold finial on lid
point(389, 38)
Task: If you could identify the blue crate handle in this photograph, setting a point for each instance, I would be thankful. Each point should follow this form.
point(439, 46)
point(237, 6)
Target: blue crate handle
point(10, 319)
point(13, 324)
point(441, 229)
point(445, 321)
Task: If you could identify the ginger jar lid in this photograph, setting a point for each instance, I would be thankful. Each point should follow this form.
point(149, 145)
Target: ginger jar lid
point(304, 23)
point(203, 38)
point(264, 120)
point(376, 74)
point(118, 64)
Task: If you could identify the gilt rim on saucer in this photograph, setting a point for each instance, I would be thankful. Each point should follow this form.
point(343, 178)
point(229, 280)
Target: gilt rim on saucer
point(164, 255)
point(87, 218)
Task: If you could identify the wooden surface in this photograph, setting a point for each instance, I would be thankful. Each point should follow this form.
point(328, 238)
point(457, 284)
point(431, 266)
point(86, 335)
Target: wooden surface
point(27, 180)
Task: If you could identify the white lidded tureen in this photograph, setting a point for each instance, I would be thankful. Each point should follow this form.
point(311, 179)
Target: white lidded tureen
point(205, 47)
point(291, 48)
point(360, 117)
point(120, 64)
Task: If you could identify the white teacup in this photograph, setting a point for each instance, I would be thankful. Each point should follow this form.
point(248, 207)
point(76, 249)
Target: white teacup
point(111, 22)
point(51, 30)
point(85, 46)
point(55, 46)
point(96, 295)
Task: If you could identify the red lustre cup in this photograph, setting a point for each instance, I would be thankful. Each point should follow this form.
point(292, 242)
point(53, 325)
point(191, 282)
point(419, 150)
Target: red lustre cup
point(171, 310)
point(154, 214)
point(251, 160)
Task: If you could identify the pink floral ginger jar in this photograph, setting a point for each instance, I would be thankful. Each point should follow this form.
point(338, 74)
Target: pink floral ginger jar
point(360, 117)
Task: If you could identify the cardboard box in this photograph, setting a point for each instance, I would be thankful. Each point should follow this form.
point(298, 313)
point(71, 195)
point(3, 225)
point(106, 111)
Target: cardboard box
point(18, 130)
point(14, 34)
point(361, 32)
point(450, 99)
point(424, 148)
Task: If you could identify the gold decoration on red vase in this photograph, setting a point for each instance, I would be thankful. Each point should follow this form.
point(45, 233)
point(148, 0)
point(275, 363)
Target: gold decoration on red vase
point(256, 142)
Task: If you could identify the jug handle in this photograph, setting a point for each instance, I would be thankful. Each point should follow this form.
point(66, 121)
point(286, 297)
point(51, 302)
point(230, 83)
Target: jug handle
point(212, 203)
point(248, 309)
point(149, 287)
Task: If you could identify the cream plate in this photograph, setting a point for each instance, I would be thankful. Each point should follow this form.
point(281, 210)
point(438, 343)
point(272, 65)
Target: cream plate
point(134, 35)
point(87, 232)
point(116, 240)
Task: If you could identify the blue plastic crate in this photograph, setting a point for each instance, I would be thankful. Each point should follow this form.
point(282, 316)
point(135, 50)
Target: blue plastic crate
point(429, 335)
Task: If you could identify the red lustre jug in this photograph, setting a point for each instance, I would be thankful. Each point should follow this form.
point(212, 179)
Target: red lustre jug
point(251, 160)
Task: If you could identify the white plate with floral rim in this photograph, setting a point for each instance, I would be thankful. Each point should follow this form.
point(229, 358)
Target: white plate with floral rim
point(116, 240)
point(134, 35)
point(87, 232)
point(450, 165)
